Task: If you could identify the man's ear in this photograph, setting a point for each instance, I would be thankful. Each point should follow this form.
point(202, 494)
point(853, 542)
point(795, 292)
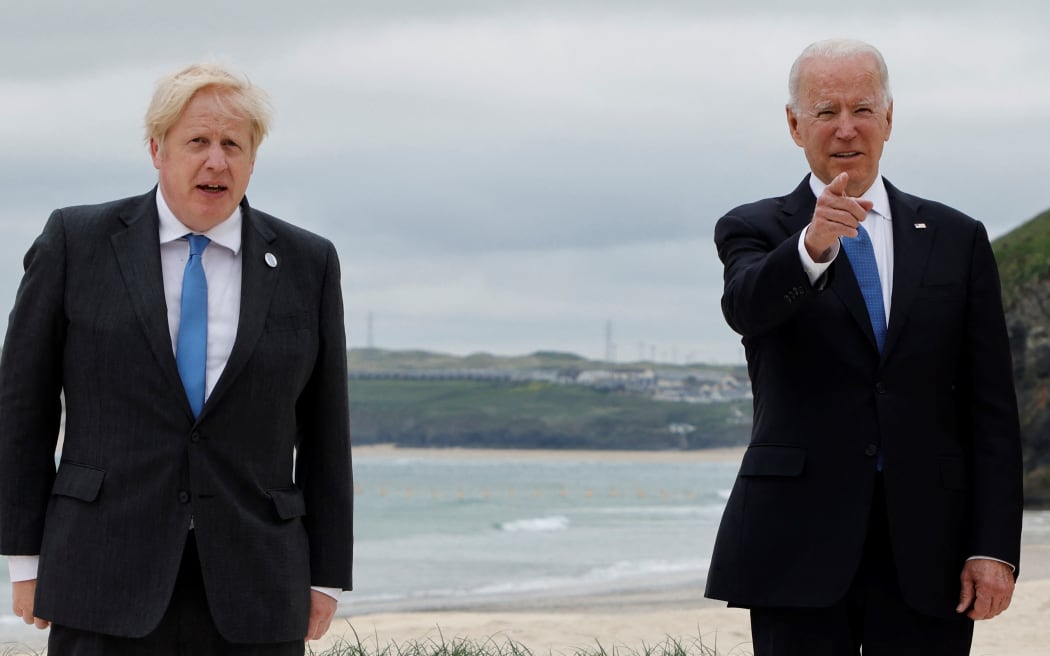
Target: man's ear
point(154, 152)
point(792, 120)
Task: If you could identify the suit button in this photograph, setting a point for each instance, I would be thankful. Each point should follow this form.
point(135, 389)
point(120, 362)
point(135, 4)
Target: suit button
point(880, 388)
point(195, 437)
point(184, 496)
point(871, 450)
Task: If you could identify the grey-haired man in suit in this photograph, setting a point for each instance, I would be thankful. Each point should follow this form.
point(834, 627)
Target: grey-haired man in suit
point(879, 501)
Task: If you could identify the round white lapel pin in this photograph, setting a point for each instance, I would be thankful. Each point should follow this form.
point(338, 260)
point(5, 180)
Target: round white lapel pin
point(271, 260)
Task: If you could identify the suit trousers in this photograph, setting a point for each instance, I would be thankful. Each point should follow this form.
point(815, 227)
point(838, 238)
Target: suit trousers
point(873, 614)
point(187, 628)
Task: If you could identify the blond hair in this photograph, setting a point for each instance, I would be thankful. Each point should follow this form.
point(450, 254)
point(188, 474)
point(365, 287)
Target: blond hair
point(237, 96)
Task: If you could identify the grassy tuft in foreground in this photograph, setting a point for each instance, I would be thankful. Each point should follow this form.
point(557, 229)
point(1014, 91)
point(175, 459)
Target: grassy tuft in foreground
point(502, 646)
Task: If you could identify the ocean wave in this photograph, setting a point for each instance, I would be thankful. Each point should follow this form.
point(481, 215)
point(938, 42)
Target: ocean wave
point(609, 577)
point(536, 525)
point(659, 511)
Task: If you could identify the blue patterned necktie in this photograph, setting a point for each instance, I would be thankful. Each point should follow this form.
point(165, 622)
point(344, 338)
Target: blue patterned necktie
point(862, 258)
point(191, 353)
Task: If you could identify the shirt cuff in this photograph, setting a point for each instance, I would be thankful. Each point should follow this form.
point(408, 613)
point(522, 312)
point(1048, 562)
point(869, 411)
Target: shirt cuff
point(22, 568)
point(331, 592)
point(1012, 567)
point(814, 270)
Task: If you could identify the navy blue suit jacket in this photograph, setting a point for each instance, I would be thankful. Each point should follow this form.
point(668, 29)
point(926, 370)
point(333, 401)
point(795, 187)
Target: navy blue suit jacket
point(938, 402)
point(264, 471)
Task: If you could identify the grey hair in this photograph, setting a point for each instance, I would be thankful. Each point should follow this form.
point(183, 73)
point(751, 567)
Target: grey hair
point(837, 49)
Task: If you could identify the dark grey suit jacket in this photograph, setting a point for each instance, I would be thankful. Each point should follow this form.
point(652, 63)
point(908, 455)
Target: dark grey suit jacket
point(938, 401)
point(89, 325)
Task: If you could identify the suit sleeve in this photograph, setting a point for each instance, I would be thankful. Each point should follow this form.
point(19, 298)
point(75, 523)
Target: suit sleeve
point(323, 463)
point(30, 393)
point(993, 420)
point(765, 282)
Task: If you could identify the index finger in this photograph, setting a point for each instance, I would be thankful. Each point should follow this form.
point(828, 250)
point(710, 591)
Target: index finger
point(838, 185)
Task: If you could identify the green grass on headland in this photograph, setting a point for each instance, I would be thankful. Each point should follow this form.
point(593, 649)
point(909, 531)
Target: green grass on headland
point(1023, 256)
point(466, 413)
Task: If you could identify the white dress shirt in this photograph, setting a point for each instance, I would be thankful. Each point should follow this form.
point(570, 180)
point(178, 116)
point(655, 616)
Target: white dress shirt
point(222, 268)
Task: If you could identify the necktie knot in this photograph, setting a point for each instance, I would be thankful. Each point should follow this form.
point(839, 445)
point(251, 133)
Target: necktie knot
point(197, 244)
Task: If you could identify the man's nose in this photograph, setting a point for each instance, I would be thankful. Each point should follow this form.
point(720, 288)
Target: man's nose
point(846, 128)
point(216, 158)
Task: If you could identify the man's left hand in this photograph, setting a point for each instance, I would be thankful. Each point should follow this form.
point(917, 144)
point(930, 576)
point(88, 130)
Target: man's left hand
point(322, 610)
point(987, 587)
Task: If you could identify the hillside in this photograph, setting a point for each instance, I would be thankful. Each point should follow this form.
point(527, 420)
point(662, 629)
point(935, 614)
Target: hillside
point(1023, 257)
point(543, 400)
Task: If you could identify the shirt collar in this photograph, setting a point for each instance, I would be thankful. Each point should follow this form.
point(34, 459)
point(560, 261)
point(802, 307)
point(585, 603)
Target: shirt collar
point(226, 234)
point(876, 193)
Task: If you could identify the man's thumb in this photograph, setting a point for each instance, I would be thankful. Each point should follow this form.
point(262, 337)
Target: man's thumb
point(966, 597)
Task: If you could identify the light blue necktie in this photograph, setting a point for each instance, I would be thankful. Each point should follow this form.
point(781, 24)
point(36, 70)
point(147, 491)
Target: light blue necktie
point(191, 353)
point(862, 258)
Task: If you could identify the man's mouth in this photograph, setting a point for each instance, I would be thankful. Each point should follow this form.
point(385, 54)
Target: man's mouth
point(212, 188)
point(849, 154)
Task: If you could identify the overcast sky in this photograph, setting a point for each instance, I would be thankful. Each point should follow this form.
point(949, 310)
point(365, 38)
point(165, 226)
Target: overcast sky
point(511, 176)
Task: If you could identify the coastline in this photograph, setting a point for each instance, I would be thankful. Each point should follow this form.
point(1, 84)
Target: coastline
point(722, 454)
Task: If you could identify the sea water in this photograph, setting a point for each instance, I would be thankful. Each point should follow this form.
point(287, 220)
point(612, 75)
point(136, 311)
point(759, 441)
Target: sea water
point(446, 531)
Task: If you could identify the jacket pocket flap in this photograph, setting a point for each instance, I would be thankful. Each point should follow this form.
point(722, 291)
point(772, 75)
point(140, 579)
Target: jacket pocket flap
point(288, 502)
point(773, 460)
point(78, 481)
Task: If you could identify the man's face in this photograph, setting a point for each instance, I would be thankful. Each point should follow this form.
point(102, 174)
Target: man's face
point(206, 162)
point(843, 120)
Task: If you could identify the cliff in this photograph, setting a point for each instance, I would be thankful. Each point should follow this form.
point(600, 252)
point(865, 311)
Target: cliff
point(1023, 257)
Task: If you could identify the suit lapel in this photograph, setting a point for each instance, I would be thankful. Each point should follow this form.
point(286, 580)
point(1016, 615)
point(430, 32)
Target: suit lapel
point(912, 239)
point(137, 249)
point(258, 281)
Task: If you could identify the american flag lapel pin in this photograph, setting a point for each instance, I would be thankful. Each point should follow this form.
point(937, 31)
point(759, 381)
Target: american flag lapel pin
point(920, 226)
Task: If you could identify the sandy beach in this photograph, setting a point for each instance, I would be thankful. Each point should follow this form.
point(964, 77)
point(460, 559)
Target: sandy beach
point(646, 619)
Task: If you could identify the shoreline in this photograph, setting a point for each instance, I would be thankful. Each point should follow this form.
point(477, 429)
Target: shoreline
point(635, 619)
point(721, 454)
